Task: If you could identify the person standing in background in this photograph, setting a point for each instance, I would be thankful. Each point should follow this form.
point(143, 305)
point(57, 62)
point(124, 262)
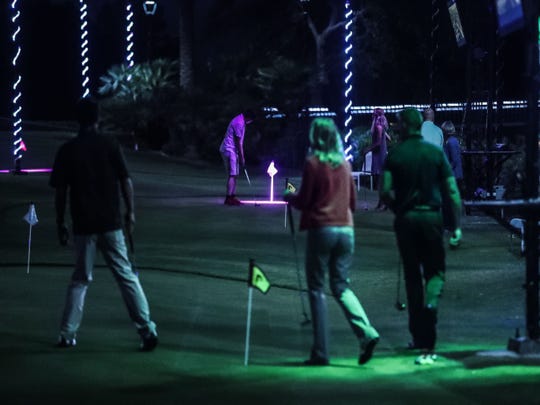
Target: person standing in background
point(431, 132)
point(378, 149)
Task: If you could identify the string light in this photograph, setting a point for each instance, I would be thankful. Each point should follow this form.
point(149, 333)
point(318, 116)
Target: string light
point(129, 38)
point(348, 78)
point(18, 144)
point(83, 10)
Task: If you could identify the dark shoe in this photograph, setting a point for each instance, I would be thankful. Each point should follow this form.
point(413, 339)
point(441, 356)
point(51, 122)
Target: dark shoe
point(316, 361)
point(231, 200)
point(149, 342)
point(366, 354)
point(66, 343)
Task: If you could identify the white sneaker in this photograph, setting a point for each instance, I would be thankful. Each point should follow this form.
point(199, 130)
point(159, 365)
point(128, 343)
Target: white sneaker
point(426, 359)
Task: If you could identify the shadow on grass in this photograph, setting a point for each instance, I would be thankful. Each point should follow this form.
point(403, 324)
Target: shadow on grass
point(479, 359)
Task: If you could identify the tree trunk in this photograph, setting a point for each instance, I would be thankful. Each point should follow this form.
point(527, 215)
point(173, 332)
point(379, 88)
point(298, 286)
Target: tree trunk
point(321, 78)
point(185, 41)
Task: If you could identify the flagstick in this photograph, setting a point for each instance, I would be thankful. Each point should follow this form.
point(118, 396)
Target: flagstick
point(286, 182)
point(248, 325)
point(29, 244)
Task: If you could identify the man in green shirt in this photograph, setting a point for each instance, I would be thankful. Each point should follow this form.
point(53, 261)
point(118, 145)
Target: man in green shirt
point(416, 178)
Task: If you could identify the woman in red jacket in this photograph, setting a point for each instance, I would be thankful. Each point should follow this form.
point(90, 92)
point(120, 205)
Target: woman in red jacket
point(327, 199)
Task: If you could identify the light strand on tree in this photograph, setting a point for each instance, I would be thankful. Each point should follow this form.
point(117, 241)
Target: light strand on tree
point(348, 78)
point(129, 38)
point(18, 144)
point(83, 10)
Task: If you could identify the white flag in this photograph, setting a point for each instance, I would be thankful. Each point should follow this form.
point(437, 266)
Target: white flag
point(31, 216)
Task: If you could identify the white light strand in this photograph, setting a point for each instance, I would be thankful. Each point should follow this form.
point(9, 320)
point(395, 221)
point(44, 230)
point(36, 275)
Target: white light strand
point(83, 10)
point(18, 144)
point(348, 77)
point(129, 38)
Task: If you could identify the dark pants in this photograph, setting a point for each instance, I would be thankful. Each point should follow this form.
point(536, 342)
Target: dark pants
point(419, 236)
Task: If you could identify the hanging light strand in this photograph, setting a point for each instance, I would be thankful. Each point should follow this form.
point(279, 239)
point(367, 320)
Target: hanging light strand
point(348, 78)
point(83, 12)
point(130, 55)
point(18, 144)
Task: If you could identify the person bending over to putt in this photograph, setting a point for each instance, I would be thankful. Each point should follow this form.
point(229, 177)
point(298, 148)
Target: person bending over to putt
point(232, 152)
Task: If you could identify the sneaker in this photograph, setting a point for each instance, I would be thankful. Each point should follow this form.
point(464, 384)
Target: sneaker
point(367, 353)
point(65, 342)
point(426, 359)
point(149, 343)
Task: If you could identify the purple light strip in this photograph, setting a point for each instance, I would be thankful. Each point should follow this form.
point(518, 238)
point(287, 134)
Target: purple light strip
point(263, 202)
point(29, 171)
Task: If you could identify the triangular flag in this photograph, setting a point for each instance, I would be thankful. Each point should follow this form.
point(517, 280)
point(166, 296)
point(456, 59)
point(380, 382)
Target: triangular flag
point(257, 278)
point(31, 216)
point(289, 186)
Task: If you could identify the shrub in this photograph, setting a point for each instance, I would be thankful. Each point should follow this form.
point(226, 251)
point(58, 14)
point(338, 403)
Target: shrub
point(141, 100)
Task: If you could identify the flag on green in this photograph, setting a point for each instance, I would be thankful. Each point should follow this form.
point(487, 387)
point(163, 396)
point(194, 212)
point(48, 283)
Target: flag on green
point(31, 216)
point(290, 187)
point(257, 278)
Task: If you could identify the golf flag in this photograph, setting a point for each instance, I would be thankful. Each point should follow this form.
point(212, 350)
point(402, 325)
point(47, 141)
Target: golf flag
point(290, 187)
point(257, 278)
point(31, 216)
point(32, 219)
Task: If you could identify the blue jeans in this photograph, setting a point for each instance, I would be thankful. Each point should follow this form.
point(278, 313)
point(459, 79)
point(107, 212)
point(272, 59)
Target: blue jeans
point(113, 247)
point(330, 250)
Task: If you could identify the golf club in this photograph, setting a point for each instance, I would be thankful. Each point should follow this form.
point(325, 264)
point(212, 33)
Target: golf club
point(247, 177)
point(306, 320)
point(400, 306)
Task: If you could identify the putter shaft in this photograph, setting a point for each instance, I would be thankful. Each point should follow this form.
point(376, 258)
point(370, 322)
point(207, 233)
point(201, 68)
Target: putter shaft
point(247, 177)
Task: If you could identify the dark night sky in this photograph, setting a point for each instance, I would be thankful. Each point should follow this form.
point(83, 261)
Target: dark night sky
point(50, 60)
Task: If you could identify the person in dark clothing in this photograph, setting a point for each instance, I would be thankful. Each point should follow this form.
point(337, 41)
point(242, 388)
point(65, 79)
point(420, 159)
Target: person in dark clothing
point(452, 149)
point(93, 169)
point(416, 180)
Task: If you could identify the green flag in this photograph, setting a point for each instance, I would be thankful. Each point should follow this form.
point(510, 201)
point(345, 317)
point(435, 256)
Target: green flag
point(257, 278)
point(289, 186)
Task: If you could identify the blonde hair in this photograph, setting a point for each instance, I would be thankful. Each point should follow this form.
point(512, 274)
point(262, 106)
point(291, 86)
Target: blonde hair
point(325, 142)
point(379, 119)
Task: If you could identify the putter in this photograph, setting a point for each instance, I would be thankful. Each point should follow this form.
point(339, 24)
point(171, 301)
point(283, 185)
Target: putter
point(306, 320)
point(400, 306)
point(247, 177)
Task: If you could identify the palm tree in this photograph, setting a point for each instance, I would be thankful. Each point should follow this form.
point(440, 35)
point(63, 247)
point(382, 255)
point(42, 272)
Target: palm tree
point(185, 51)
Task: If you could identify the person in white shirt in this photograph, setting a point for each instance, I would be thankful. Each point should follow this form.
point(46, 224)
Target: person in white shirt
point(431, 132)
